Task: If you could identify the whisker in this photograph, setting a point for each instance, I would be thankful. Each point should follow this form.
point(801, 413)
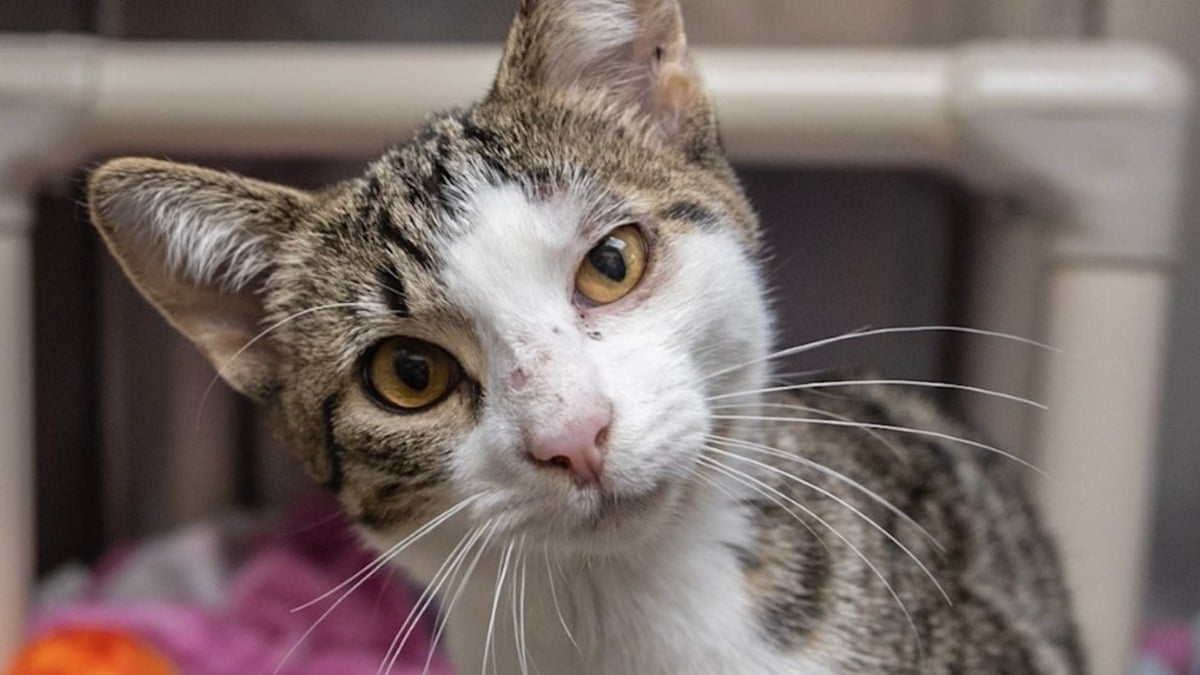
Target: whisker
point(897, 429)
point(516, 621)
point(444, 620)
point(815, 411)
point(501, 574)
point(453, 559)
point(359, 578)
point(817, 466)
point(783, 378)
point(318, 523)
point(708, 480)
point(524, 622)
point(862, 333)
point(523, 645)
point(713, 464)
point(554, 597)
point(393, 551)
point(906, 383)
point(711, 483)
point(846, 505)
point(735, 473)
point(255, 340)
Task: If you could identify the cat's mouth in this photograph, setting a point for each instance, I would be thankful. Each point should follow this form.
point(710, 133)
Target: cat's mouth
point(603, 513)
point(613, 520)
point(615, 507)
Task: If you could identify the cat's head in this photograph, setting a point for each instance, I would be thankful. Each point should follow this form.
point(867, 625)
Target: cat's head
point(527, 305)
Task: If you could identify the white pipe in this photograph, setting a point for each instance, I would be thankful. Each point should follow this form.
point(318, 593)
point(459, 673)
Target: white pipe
point(41, 111)
point(276, 99)
point(1092, 148)
point(1109, 322)
point(779, 106)
point(1089, 136)
point(881, 107)
point(16, 433)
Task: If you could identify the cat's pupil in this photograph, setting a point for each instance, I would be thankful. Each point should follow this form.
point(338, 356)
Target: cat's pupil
point(412, 369)
point(609, 259)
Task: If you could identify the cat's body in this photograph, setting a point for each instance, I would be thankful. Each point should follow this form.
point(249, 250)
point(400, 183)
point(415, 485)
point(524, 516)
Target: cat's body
point(535, 339)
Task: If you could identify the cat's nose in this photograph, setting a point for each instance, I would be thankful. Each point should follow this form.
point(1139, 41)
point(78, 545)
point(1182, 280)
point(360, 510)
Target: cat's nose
point(580, 446)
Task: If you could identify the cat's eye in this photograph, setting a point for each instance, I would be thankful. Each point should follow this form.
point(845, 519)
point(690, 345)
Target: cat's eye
point(409, 375)
point(613, 268)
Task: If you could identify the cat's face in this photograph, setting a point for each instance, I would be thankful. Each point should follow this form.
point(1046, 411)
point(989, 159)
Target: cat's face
point(524, 306)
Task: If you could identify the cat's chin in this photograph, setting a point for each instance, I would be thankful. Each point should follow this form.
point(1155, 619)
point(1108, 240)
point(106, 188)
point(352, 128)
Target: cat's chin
point(595, 520)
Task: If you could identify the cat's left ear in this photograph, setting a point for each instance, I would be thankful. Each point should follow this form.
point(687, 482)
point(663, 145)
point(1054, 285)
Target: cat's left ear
point(198, 244)
point(631, 53)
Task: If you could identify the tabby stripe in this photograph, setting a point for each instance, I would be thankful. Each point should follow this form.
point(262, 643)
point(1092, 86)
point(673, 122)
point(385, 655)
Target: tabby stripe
point(474, 132)
point(333, 451)
point(441, 177)
point(688, 211)
point(414, 252)
point(394, 294)
point(374, 191)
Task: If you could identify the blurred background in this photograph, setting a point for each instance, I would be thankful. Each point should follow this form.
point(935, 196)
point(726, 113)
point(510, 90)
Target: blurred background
point(119, 394)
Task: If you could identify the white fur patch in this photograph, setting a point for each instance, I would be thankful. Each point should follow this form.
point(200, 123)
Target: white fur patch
point(513, 272)
point(207, 241)
point(663, 584)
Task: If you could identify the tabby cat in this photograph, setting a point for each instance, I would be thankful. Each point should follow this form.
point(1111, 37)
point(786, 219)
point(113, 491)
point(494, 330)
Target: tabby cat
point(529, 351)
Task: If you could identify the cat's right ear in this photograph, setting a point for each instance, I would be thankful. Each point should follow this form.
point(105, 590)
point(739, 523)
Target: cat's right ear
point(197, 244)
point(632, 55)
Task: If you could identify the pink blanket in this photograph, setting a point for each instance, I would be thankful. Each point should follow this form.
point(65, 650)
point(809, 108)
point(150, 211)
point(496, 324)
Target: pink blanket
point(252, 627)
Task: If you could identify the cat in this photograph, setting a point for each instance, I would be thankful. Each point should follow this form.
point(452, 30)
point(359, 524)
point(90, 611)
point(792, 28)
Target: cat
point(529, 352)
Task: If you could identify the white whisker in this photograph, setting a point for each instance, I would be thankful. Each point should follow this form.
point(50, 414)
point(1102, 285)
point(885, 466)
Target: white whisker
point(513, 591)
point(501, 574)
point(814, 411)
point(444, 620)
point(713, 464)
point(393, 551)
point(897, 429)
point(846, 505)
point(735, 474)
point(554, 597)
point(907, 383)
point(817, 466)
point(523, 645)
point(862, 333)
point(221, 372)
point(783, 378)
point(359, 578)
point(711, 483)
point(453, 560)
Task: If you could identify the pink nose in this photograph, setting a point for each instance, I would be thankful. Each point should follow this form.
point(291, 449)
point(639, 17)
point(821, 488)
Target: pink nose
point(579, 447)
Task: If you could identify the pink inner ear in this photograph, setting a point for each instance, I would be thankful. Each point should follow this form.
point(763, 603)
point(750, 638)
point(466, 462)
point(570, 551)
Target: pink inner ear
point(673, 87)
point(678, 92)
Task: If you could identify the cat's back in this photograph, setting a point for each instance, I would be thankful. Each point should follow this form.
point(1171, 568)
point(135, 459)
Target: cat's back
point(893, 540)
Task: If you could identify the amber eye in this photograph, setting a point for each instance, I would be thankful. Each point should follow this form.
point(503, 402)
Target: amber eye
point(614, 267)
point(409, 375)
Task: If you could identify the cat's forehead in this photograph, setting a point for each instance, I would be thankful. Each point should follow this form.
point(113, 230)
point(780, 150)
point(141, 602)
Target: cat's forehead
point(399, 221)
point(548, 148)
point(544, 151)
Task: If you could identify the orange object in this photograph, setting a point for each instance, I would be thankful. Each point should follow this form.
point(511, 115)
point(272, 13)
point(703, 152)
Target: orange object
point(90, 652)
